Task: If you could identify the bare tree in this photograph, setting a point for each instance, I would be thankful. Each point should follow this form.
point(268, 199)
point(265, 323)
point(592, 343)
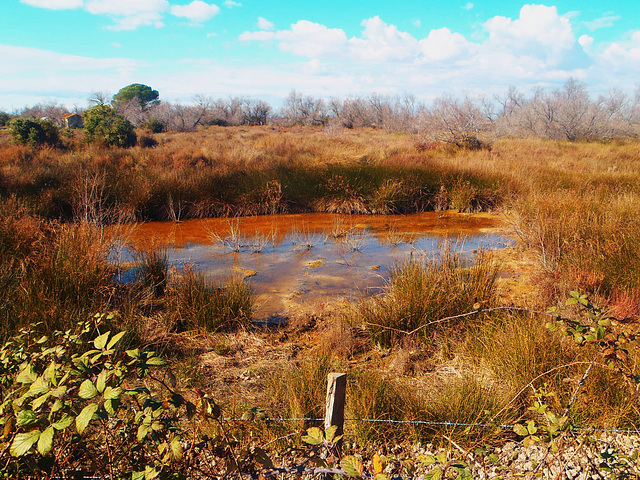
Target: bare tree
point(48, 110)
point(256, 112)
point(459, 122)
point(304, 110)
point(101, 97)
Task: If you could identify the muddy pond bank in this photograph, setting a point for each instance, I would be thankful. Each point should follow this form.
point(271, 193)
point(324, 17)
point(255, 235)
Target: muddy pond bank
point(295, 259)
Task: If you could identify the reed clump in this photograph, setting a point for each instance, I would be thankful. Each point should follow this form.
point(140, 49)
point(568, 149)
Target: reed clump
point(421, 293)
point(196, 305)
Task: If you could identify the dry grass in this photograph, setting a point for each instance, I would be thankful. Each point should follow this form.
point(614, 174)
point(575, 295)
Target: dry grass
point(573, 205)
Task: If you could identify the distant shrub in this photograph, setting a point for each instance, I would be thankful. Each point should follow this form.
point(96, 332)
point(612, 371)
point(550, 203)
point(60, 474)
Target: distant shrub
point(220, 122)
point(103, 125)
point(34, 132)
point(147, 142)
point(156, 125)
point(4, 118)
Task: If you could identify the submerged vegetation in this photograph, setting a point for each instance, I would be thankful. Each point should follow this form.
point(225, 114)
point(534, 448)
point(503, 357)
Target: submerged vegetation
point(446, 342)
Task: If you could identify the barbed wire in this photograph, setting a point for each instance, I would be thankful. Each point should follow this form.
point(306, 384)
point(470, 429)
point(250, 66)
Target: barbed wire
point(427, 423)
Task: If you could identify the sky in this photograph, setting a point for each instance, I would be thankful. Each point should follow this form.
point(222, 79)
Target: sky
point(63, 50)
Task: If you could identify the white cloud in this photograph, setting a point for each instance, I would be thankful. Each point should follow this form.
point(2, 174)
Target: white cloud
point(586, 42)
point(443, 44)
point(623, 55)
point(602, 22)
point(231, 4)
point(381, 42)
point(540, 32)
point(197, 11)
point(306, 39)
point(417, 22)
point(126, 7)
point(54, 4)
point(264, 24)
point(468, 6)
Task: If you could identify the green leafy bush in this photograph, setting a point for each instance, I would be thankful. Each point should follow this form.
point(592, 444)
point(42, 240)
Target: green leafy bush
point(156, 125)
point(103, 125)
point(4, 118)
point(34, 132)
point(74, 404)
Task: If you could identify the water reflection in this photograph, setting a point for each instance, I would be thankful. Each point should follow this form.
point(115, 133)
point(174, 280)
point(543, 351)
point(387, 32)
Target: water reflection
point(295, 259)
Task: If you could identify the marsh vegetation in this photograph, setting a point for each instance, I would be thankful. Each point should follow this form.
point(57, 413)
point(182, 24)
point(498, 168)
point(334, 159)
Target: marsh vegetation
point(571, 209)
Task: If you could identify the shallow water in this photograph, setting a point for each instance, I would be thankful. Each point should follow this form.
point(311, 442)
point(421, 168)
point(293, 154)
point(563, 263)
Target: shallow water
point(308, 258)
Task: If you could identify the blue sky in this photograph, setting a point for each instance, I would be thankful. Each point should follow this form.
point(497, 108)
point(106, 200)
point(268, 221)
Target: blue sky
point(62, 50)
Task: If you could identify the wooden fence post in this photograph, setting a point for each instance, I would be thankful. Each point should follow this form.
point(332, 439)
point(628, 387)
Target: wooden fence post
point(336, 394)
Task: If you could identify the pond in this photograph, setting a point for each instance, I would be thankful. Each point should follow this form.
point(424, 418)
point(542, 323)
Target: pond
point(290, 260)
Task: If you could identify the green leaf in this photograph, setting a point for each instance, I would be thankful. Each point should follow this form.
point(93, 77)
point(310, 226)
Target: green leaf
point(380, 476)
point(38, 402)
point(101, 381)
point(39, 387)
point(330, 433)
point(101, 341)
point(27, 375)
point(435, 474)
point(137, 476)
point(531, 427)
point(26, 418)
point(64, 423)
point(45, 442)
point(520, 430)
point(313, 436)
point(133, 353)
point(111, 393)
point(87, 390)
point(143, 431)
point(23, 443)
point(59, 392)
point(82, 420)
point(156, 361)
point(352, 466)
point(116, 338)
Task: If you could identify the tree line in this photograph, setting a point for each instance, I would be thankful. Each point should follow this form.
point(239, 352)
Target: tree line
point(564, 113)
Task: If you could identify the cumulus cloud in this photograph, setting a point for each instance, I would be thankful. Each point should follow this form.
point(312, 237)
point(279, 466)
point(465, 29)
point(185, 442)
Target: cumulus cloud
point(622, 55)
point(231, 4)
point(586, 42)
point(381, 41)
point(264, 24)
point(197, 11)
point(468, 6)
point(443, 44)
point(305, 38)
point(54, 4)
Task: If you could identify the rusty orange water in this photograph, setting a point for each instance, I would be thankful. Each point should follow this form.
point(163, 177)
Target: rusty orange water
point(303, 258)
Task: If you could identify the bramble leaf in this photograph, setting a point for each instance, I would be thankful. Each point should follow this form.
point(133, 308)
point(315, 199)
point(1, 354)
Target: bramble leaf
point(27, 375)
point(116, 338)
point(82, 420)
point(87, 390)
point(520, 430)
point(101, 341)
point(352, 466)
point(63, 423)
point(23, 443)
point(313, 436)
point(26, 418)
point(45, 442)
